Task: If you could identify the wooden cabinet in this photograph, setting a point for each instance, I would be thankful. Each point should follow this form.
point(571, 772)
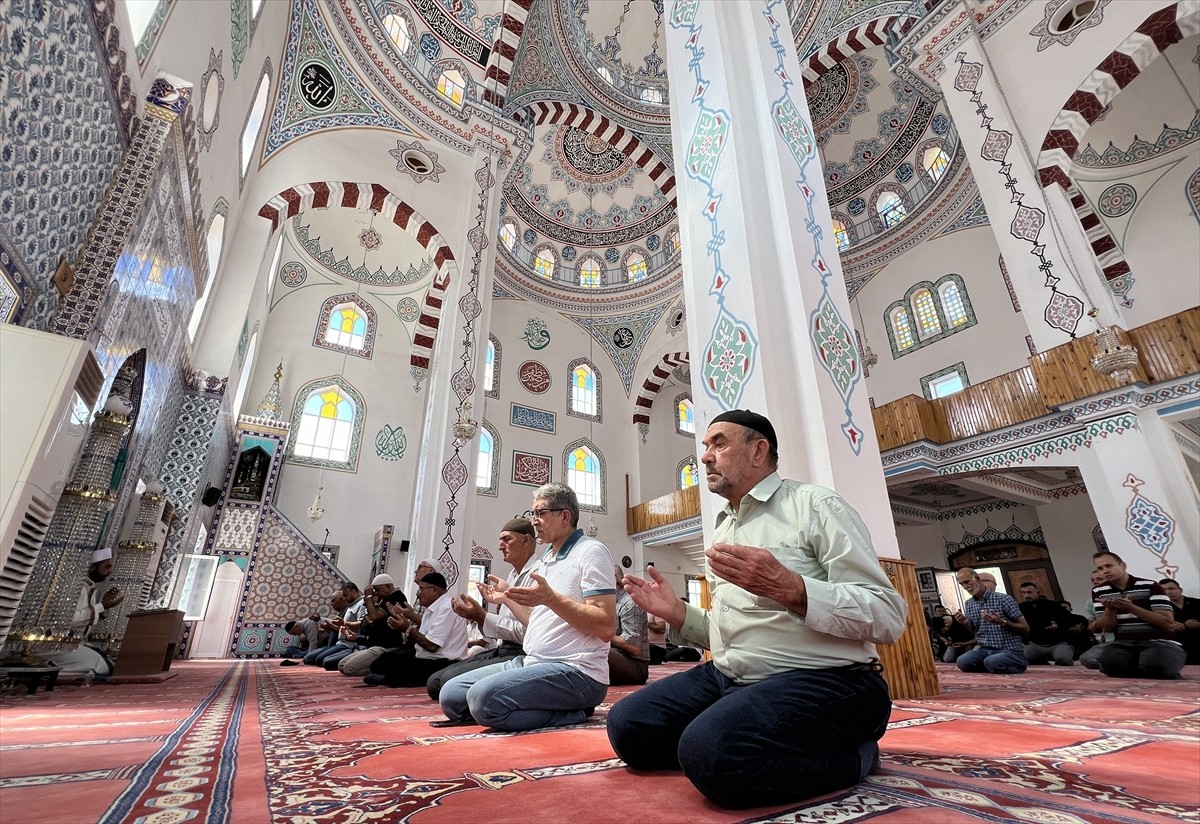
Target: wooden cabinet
point(151, 641)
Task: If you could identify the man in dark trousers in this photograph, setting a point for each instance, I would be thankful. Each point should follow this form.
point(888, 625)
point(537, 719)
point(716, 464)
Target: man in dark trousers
point(1139, 613)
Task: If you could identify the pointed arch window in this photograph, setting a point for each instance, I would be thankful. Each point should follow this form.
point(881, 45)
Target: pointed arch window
point(453, 86)
point(508, 235)
point(544, 264)
point(347, 324)
point(673, 242)
point(652, 95)
point(585, 390)
point(254, 120)
point(635, 267)
point(584, 472)
point(689, 475)
point(935, 160)
point(841, 235)
point(929, 312)
point(215, 242)
point(488, 470)
point(591, 273)
point(327, 424)
point(891, 208)
point(491, 368)
point(685, 415)
point(604, 72)
point(397, 31)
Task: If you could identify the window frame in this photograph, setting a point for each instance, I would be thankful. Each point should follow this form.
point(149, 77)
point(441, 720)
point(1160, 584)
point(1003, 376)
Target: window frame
point(490, 489)
point(331, 305)
point(601, 475)
point(597, 380)
point(356, 425)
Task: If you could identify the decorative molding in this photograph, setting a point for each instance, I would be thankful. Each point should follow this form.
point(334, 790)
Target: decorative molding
point(659, 374)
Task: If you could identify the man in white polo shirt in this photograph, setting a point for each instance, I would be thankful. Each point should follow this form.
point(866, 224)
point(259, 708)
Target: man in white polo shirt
point(569, 610)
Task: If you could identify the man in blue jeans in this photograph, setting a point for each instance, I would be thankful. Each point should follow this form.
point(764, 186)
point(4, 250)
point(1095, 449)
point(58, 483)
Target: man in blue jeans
point(570, 616)
point(999, 627)
point(792, 704)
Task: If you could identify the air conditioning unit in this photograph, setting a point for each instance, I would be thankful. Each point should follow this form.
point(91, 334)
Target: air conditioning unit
point(49, 386)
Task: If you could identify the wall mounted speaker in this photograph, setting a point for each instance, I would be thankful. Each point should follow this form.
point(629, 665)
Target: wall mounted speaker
point(210, 496)
point(404, 545)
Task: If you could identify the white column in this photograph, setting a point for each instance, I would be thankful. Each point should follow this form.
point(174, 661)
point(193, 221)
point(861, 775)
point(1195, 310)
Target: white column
point(769, 323)
point(444, 502)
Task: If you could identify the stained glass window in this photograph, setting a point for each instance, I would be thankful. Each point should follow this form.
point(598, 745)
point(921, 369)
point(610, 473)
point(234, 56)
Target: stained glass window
point(346, 327)
point(585, 477)
point(935, 161)
point(688, 475)
point(326, 425)
point(452, 86)
point(583, 390)
point(590, 273)
point(902, 328)
point(686, 416)
point(544, 264)
point(952, 304)
point(841, 235)
point(926, 314)
point(636, 267)
point(890, 208)
point(397, 31)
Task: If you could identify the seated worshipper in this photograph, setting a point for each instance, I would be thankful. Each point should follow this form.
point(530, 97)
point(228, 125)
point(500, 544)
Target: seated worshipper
point(440, 640)
point(1187, 619)
point(1091, 658)
point(84, 660)
point(325, 626)
point(569, 612)
point(1078, 634)
point(935, 619)
point(1139, 613)
point(347, 625)
point(424, 568)
point(792, 704)
point(1047, 628)
point(376, 636)
point(518, 543)
point(989, 580)
point(656, 637)
point(958, 638)
point(998, 625)
point(305, 633)
point(629, 650)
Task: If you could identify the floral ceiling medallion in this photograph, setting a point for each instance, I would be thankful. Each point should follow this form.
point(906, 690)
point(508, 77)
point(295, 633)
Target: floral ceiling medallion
point(417, 161)
point(1067, 19)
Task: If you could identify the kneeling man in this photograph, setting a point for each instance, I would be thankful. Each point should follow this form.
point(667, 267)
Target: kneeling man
point(792, 704)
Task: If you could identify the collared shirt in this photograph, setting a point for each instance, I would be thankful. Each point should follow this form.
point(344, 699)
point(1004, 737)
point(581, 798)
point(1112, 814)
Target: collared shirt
point(581, 569)
point(994, 636)
point(851, 604)
point(1143, 593)
point(631, 624)
point(443, 627)
point(505, 625)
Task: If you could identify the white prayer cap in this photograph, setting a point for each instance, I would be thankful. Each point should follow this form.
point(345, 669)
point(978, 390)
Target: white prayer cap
point(101, 555)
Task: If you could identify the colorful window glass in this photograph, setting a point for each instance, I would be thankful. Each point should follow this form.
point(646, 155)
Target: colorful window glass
point(346, 327)
point(686, 416)
point(452, 86)
point(902, 329)
point(326, 425)
point(952, 304)
point(590, 273)
point(583, 390)
point(688, 476)
point(636, 267)
point(841, 235)
point(935, 160)
point(890, 208)
point(673, 240)
point(585, 477)
point(544, 264)
point(926, 314)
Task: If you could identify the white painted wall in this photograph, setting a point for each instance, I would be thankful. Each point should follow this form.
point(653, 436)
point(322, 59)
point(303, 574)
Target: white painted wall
point(1067, 525)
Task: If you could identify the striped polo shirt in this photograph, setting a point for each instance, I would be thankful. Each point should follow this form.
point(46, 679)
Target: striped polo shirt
point(1145, 594)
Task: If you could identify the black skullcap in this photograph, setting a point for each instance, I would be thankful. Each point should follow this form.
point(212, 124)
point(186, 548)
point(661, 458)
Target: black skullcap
point(521, 525)
point(750, 420)
point(437, 579)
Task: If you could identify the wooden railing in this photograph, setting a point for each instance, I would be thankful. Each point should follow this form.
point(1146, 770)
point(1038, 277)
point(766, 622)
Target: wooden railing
point(1168, 348)
point(667, 509)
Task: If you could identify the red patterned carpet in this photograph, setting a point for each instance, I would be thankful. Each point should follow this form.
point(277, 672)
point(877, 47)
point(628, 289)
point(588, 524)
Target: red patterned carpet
point(247, 742)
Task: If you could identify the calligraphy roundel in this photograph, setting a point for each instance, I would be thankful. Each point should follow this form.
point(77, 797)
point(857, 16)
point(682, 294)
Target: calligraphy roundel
point(534, 377)
point(317, 86)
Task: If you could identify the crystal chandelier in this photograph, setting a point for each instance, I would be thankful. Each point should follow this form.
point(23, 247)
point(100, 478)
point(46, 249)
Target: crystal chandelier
point(1114, 359)
point(464, 426)
point(316, 512)
point(591, 530)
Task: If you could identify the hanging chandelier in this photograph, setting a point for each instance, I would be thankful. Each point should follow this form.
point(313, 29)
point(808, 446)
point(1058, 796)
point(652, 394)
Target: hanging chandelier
point(316, 512)
point(1114, 359)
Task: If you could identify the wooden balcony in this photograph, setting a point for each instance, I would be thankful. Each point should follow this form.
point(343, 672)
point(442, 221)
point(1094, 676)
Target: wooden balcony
point(666, 509)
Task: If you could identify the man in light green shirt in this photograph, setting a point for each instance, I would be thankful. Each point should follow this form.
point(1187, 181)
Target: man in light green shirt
point(792, 704)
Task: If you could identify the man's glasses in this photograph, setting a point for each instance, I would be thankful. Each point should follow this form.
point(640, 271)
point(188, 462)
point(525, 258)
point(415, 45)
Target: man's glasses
point(541, 513)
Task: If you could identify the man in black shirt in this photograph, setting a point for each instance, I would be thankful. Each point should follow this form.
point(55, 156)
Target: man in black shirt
point(1047, 628)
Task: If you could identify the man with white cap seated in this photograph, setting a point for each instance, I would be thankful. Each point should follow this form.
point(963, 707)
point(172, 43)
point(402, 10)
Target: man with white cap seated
point(378, 636)
point(93, 603)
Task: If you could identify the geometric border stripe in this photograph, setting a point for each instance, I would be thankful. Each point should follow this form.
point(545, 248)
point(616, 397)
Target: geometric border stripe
point(504, 50)
point(1104, 245)
point(1116, 71)
point(871, 33)
point(377, 198)
point(650, 388)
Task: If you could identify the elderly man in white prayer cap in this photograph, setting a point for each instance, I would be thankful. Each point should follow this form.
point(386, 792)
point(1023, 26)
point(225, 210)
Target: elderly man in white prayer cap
point(84, 661)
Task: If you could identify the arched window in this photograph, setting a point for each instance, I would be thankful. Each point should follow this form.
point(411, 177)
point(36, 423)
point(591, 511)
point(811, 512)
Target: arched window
point(254, 120)
point(935, 160)
point(141, 12)
point(273, 272)
point(544, 264)
point(925, 311)
point(591, 273)
point(673, 240)
point(584, 390)
point(488, 471)
point(585, 474)
point(452, 86)
point(652, 95)
point(685, 415)
point(890, 208)
point(215, 242)
point(928, 313)
point(508, 234)
point(491, 368)
point(635, 266)
point(605, 73)
point(688, 473)
point(247, 368)
point(397, 31)
point(841, 235)
point(347, 324)
point(327, 424)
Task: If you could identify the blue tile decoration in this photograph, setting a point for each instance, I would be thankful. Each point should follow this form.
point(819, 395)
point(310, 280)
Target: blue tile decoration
point(527, 417)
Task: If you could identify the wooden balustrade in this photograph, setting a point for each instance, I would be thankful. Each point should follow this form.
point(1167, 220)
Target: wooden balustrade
point(666, 509)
